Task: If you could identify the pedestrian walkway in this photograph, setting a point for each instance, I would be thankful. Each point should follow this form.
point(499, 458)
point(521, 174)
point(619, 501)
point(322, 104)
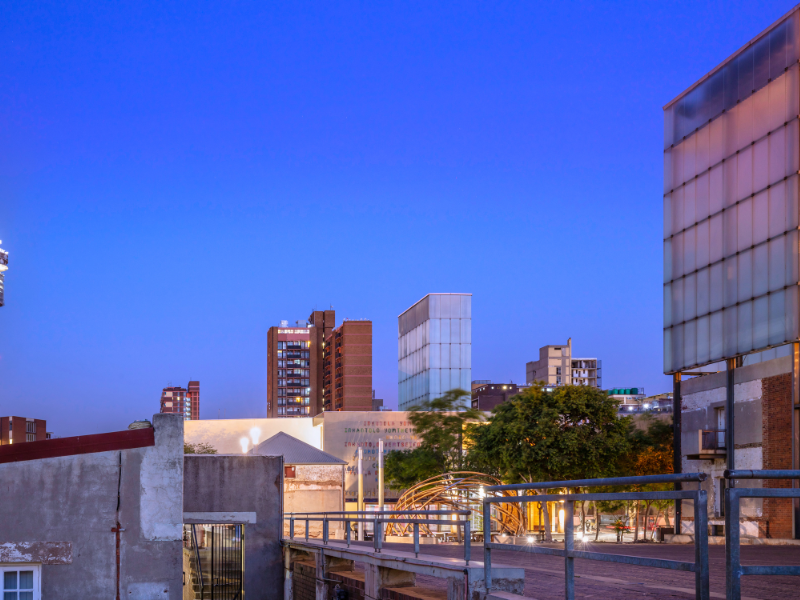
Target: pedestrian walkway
point(544, 575)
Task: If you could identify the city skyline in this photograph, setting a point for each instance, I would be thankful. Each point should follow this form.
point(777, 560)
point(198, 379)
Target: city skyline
point(157, 167)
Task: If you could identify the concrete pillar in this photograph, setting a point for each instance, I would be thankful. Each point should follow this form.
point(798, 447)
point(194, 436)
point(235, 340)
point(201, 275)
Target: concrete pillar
point(288, 576)
point(325, 565)
point(677, 465)
point(377, 578)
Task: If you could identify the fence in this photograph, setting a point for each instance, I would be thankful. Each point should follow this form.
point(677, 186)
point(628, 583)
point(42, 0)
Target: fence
point(380, 518)
point(733, 566)
point(699, 567)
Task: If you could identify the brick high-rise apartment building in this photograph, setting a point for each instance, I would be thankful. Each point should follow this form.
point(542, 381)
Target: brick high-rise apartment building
point(294, 365)
point(347, 367)
point(178, 400)
point(15, 430)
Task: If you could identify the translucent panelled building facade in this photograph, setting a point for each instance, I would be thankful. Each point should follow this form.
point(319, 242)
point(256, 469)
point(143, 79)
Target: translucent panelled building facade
point(731, 148)
point(434, 348)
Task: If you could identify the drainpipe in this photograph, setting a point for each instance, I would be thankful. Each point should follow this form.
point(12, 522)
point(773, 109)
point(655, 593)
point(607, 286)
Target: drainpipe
point(677, 465)
point(795, 415)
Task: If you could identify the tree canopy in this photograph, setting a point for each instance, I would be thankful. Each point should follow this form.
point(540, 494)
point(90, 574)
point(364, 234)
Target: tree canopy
point(572, 432)
point(440, 425)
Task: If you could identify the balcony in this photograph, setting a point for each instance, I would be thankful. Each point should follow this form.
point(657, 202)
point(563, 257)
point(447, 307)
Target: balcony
point(709, 445)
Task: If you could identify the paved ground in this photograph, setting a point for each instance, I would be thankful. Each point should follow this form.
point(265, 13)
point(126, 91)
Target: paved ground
point(544, 575)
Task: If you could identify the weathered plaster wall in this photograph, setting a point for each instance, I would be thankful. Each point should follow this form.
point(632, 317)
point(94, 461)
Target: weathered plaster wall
point(315, 488)
point(225, 434)
point(73, 500)
point(244, 484)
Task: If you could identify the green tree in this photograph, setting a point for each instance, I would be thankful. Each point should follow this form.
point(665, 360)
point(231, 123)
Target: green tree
point(572, 432)
point(440, 425)
point(199, 448)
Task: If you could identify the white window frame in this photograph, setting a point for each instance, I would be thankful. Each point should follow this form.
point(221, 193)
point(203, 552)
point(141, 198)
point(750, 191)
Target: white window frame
point(37, 576)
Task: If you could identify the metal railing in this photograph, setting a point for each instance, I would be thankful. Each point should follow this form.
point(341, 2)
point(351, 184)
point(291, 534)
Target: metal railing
point(699, 567)
point(733, 565)
point(378, 519)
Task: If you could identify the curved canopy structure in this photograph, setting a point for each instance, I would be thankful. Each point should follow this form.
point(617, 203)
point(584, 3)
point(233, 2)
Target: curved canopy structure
point(458, 490)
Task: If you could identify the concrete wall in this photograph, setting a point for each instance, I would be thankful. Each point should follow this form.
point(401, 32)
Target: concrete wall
point(315, 488)
point(225, 484)
point(73, 500)
point(225, 434)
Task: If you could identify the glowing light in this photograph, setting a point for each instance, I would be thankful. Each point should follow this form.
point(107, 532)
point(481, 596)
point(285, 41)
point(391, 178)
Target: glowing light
point(245, 443)
point(255, 434)
point(481, 492)
point(530, 540)
point(561, 519)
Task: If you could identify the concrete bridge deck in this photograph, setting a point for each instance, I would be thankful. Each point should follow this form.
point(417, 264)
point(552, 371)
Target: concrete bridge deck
point(395, 568)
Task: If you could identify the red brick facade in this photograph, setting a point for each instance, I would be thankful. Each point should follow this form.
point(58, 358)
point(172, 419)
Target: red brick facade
point(776, 427)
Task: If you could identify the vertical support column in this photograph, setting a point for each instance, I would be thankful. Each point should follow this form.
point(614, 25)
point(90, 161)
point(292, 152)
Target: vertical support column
point(795, 434)
point(733, 571)
point(569, 546)
point(380, 475)
point(729, 417)
point(701, 544)
point(487, 539)
point(288, 587)
point(677, 466)
point(360, 505)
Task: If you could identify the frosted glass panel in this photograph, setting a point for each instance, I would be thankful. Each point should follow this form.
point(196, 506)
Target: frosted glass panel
point(455, 356)
point(731, 249)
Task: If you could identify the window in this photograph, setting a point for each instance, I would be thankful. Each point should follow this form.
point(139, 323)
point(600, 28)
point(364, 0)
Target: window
point(558, 370)
point(305, 382)
point(281, 345)
point(30, 427)
point(281, 392)
point(305, 354)
point(30, 437)
point(281, 382)
point(281, 373)
point(280, 353)
point(280, 410)
point(21, 582)
point(282, 363)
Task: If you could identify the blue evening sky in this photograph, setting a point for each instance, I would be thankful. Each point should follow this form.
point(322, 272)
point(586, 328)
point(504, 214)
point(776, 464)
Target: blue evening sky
point(177, 177)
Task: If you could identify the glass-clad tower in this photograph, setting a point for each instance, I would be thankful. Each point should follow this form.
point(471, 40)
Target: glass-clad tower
point(434, 348)
point(731, 150)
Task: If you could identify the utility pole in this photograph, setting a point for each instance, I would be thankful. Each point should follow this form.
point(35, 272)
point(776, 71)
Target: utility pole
point(380, 475)
point(360, 493)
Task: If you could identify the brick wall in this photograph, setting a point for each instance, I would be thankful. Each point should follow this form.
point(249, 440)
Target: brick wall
point(352, 581)
point(304, 580)
point(777, 449)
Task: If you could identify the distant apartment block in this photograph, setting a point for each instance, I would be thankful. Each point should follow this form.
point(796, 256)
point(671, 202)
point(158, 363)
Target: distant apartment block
point(15, 430)
point(487, 395)
point(434, 348)
point(294, 365)
point(183, 401)
point(347, 367)
point(556, 366)
point(629, 398)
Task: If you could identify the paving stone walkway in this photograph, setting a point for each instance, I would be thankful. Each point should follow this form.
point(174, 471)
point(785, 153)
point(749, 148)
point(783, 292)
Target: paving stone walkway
point(544, 575)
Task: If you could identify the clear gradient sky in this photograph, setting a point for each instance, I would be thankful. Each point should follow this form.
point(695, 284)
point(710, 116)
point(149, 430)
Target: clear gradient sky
point(177, 177)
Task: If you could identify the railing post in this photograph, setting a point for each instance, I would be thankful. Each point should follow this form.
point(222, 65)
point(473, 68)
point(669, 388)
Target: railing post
point(347, 532)
point(701, 544)
point(569, 546)
point(376, 536)
point(467, 535)
point(325, 530)
point(291, 528)
point(416, 540)
point(487, 539)
point(733, 571)
point(306, 529)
